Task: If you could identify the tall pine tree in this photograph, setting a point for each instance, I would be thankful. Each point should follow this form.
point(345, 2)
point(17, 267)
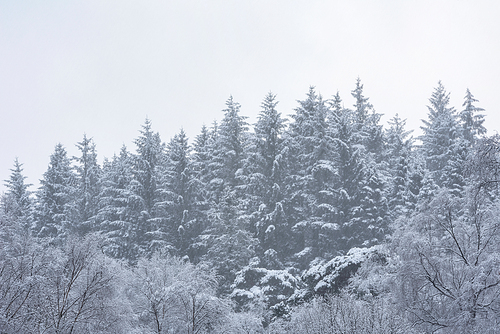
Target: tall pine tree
point(119, 208)
point(150, 154)
point(87, 189)
point(440, 132)
point(264, 180)
point(311, 174)
point(471, 119)
point(55, 198)
point(17, 204)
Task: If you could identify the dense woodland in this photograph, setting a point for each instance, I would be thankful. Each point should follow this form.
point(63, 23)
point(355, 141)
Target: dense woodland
point(322, 222)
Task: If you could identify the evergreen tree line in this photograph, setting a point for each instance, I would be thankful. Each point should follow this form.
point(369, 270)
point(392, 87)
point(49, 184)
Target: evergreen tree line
point(292, 209)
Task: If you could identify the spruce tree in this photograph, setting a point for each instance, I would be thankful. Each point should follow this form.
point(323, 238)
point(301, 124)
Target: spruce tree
point(368, 130)
point(351, 178)
point(181, 201)
point(150, 155)
point(398, 154)
point(231, 144)
point(471, 120)
point(201, 159)
point(264, 180)
point(17, 204)
point(229, 246)
point(87, 189)
point(119, 208)
point(440, 132)
point(368, 225)
point(311, 174)
point(55, 198)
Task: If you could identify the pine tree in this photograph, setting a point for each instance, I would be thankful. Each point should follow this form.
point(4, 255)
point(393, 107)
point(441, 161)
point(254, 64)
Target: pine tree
point(119, 208)
point(399, 155)
point(311, 174)
point(351, 176)
point(264, 180)
point(209, 163)
point(229, 246)
point(454, 172)
point(202, 168)
point(150, 151)
point(88, 174)
point(470, 128)
point(231, 143)
point(17, 203)
point(202, 154)
point(368, 131)
point(55, 198)
point(182, 203)
point(362, 108)
point(368, 225)
point(150, 154)
point(227, 143)
point(440, 131)
point(471, 120)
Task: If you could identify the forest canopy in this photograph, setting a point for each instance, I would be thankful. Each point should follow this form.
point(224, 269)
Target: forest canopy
point(325, 221)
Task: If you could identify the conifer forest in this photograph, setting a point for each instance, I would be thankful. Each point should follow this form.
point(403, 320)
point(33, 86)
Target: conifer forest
point(319, 219)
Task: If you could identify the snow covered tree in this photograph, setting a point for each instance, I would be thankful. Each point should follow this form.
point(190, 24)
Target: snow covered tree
point(370, 221)
point(202, 153)
point(182, 203)
point(263, 179)
point(269, 148)
point(55, 198)
point(333, 276)
point(87, 189)
point(312, 172)
point(345, 314)
point(45, 289)
point(368, 131)
point(119, 208)
point(17, 204)
point(453, 172)
point(230, 148)
point(150, 151)
point(471, 120)
point(440, 132)
point(351, 178)
point(398, 140)
point(150, 154)
point(399, 157)
point(203, 167)
point(447, 274)
point(483, 166)
point(23, 261)
point(228, 244)
point(77, 296)
point(362, 108)
point(174, 296)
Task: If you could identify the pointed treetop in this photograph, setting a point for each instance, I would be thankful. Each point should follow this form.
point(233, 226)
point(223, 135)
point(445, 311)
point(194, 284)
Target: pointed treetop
point(439, 100)
point(15, 184)
point(362, 107)
point(471, 119)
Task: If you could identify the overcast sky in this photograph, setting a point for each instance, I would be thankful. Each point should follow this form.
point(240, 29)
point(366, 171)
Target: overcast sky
point(101, 67)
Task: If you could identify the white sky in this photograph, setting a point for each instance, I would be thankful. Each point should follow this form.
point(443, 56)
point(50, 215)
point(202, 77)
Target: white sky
point(101, 67)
